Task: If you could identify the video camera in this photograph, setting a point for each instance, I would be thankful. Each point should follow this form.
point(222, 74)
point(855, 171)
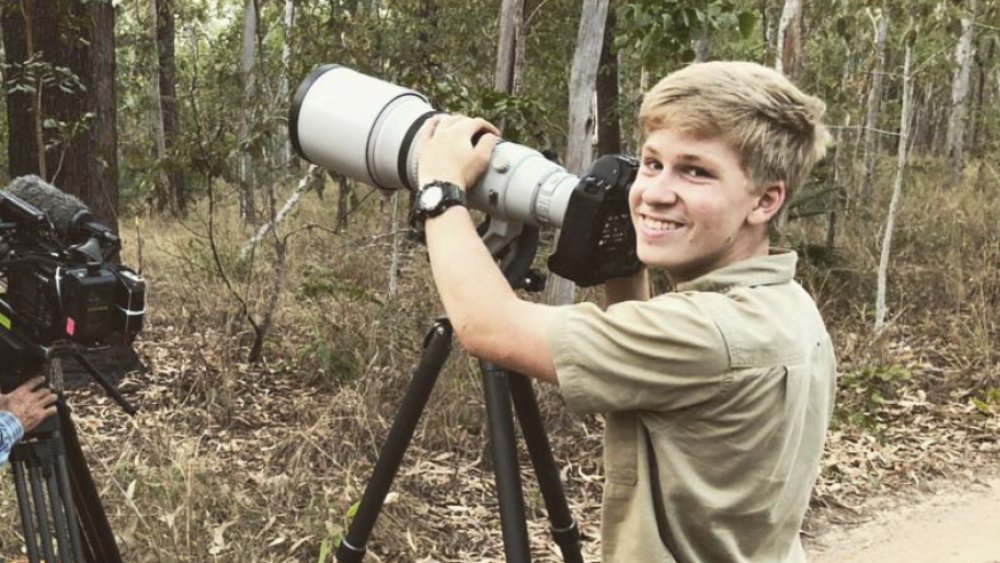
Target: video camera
point(368, 129)
point(59, 287)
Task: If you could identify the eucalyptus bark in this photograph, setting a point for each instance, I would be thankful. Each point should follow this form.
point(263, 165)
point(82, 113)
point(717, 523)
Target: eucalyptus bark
point(874, 108)
point(964, 56)
point(609, 131)
point(583, 82)
point(165, 35)
point(977, 114)
point(789, 39)
point(840, 190)
point(162, 189)
point(897, 192)
point(503, 77)
point(248, 210)
point(701, 46)
point(286, 60)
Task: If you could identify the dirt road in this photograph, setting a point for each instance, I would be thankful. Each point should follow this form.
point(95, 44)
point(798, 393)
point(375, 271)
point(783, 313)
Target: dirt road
point(960, 525)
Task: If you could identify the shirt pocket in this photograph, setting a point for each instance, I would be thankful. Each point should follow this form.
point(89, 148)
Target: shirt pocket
point(620, 455)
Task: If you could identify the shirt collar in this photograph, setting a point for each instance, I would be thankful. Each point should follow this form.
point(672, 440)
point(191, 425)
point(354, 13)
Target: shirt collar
point(777, 267)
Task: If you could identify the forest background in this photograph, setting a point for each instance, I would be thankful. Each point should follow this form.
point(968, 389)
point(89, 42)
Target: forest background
point(271, 365)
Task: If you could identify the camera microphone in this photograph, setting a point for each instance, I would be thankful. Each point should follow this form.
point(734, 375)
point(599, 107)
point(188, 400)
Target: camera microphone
point(71, 218)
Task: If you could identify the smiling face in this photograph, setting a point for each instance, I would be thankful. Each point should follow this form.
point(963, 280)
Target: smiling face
point(694, 208)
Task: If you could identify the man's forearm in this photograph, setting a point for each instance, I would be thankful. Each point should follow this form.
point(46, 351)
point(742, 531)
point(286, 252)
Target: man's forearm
point(490, 321)
point(467, 278)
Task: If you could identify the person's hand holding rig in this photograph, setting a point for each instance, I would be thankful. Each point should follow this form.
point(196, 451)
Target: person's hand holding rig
point(30, 403)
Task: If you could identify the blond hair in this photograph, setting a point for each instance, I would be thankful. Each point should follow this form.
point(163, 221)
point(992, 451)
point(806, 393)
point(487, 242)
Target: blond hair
point(774, 127)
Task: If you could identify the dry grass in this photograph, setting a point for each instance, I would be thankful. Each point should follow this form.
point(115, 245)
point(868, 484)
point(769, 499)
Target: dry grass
point(229, 461)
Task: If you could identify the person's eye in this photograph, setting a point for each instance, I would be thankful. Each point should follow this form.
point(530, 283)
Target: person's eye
point(652, 165)
point(697, 172)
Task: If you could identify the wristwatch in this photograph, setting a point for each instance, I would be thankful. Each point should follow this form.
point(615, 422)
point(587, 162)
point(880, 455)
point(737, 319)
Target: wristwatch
point(436, 197)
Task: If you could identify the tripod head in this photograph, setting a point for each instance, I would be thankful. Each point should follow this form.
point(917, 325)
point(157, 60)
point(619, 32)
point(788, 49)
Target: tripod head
point(28, 359)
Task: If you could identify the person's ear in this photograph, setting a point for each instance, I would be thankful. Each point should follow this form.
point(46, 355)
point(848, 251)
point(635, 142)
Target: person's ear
point(768, 203)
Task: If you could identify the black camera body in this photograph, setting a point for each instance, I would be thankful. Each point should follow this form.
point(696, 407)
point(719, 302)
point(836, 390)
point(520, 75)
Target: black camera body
point(60, 285)
point(598, 241)
point(85, 304)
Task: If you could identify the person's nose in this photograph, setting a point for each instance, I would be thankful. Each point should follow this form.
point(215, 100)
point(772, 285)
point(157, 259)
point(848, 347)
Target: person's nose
point(661, 190)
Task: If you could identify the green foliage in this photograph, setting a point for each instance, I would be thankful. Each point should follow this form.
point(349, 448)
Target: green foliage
point(336, 363)
point(661, 32)
point(867, 390)
point(989, 403)
point(321, 282)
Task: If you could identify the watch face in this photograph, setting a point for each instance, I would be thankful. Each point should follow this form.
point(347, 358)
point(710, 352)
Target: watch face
point(431, 197)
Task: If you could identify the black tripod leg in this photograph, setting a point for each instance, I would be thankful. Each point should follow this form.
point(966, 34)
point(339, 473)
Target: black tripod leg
point(65, 488)
point(565, 531)
point(437, 344)
point(24, 504)
point(100, 540)
point(59, 514)
point(508, 477)
point(38, 495)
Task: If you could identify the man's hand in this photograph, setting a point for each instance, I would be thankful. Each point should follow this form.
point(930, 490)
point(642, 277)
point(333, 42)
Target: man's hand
point(447, 152)
point(30, 403)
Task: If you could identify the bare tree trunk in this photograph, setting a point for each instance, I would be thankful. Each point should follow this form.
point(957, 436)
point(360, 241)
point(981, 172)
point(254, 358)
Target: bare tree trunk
point(897, 192)
point(789, 40)
point(964, 56)
point(503, 76)
point(874, 108)
point(286, 60)
point(583, 82)
point(702, 45)
point(838, 161)
point(277, 284)
point(609, 131)
point(246, 164)
point(977, 114)
point(165, 32)
point(162, 188)
point(519, 49)
point(643, 88)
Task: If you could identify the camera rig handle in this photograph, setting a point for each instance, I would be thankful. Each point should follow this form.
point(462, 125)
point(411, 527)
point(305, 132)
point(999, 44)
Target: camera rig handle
point(597, 242)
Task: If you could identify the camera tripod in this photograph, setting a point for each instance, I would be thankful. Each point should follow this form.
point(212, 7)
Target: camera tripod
point(62, 516)
point(501, 388)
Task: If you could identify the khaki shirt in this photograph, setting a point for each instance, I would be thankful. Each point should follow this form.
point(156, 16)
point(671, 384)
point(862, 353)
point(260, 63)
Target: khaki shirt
point(733, 377)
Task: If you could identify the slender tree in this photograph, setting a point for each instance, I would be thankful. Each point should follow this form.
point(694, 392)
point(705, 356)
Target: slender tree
point(789, 40)
point(897, 192)
point(248, 56)
point(965, 53)
point(285, 87)
point(167, 64)
point(511, 18)
point(583, 82)
point(874, 106)
point(162, 191)
point(609, 131)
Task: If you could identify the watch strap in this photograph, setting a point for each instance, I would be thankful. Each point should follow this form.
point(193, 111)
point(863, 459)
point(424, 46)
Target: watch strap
point(452, 195)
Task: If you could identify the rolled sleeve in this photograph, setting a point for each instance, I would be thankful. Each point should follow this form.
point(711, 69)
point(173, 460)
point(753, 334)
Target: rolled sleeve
point(10, 432)
point(660, 355)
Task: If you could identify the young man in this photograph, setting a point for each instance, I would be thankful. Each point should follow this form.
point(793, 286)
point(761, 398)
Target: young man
point(716, 395)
